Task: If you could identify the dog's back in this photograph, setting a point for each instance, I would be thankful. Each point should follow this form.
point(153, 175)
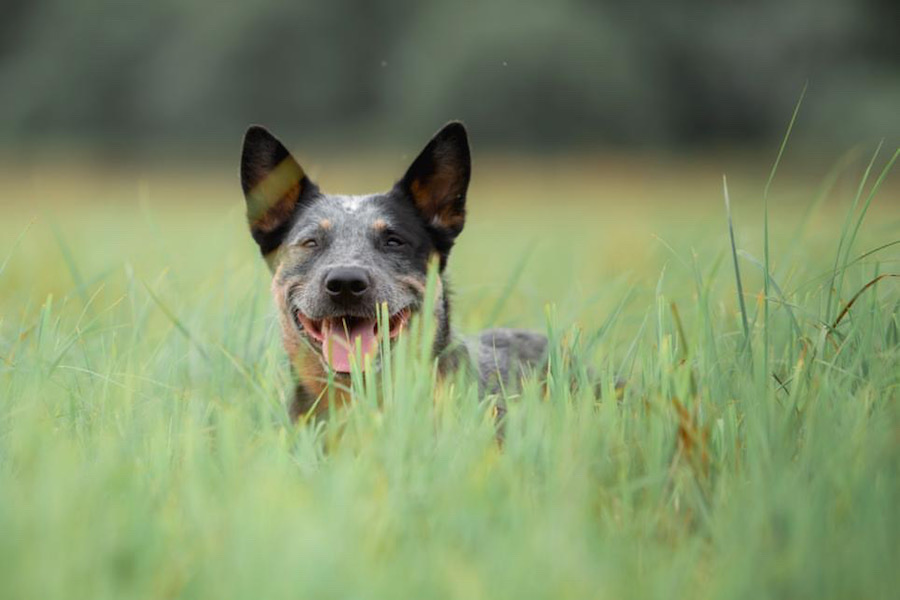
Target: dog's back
point(503, 357)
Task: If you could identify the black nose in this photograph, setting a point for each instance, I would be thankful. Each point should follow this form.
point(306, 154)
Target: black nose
point(346, 283)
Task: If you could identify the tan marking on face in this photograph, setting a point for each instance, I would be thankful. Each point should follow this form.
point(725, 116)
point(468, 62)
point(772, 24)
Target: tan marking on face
point(290, 337)
point(379, 225)
point(413, 282)
point(325, 224)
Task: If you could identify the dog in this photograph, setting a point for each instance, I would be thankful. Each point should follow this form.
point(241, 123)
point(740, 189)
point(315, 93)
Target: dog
point(335, 258)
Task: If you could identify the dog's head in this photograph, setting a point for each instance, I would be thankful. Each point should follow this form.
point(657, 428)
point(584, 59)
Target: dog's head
point(336, 258)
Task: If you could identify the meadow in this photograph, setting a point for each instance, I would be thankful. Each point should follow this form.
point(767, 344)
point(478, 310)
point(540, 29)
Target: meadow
point(145, 451)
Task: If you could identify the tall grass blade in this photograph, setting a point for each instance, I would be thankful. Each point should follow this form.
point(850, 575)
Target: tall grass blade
point(737, 268)
point(856, 296)
point(784, 141)
point(851, 239)
point(766, 258)
point(842, 240)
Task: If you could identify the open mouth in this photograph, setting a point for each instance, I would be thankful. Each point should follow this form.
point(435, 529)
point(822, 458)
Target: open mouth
point(339, 336)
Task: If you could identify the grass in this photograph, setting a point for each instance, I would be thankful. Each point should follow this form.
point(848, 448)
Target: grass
point(145, 450)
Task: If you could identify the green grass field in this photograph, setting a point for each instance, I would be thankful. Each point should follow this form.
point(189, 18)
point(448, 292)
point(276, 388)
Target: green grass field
point(145, 450)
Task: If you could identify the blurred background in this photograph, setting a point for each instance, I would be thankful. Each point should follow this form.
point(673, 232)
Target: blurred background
point(130, 78)
point(606, 125)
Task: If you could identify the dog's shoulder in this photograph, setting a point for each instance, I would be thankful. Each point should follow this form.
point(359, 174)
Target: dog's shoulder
point(504, 356)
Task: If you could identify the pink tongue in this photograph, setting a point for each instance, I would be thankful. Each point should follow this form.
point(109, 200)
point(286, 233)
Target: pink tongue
point(338, 347)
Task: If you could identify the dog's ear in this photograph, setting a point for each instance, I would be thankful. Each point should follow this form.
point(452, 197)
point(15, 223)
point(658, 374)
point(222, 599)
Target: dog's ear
point(438, 179)
point(273, 183)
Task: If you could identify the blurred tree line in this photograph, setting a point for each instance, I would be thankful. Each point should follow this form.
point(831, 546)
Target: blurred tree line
point(530, 74)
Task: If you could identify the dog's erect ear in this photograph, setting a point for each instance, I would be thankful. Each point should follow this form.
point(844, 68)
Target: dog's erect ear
point(273, 183)
point(439, 177)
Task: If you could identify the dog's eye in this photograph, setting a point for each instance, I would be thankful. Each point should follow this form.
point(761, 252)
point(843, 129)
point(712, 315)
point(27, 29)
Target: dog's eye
point(394, 242)
point(310, 243)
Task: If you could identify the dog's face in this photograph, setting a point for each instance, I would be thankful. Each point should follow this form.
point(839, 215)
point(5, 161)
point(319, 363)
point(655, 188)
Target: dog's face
point(336, 258)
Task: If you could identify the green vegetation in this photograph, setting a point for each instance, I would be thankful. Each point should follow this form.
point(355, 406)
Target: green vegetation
point(145, 451)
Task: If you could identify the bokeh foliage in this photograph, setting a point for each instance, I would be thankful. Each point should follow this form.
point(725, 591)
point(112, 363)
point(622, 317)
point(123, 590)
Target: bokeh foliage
point(523, 73)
